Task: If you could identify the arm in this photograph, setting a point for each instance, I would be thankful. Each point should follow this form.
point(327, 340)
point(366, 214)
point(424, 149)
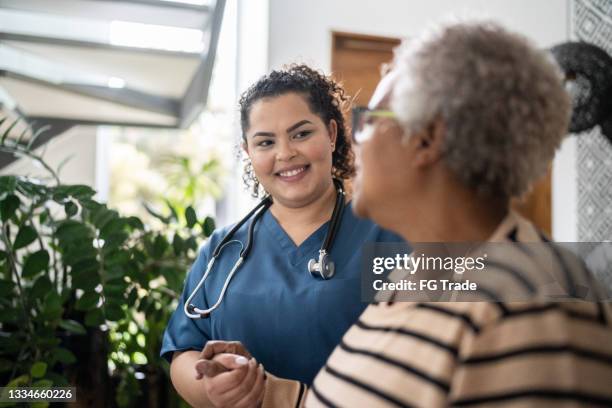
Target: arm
point(184, 379)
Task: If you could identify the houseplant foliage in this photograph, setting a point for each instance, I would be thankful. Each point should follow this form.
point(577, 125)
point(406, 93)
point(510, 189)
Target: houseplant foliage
point(85, 293)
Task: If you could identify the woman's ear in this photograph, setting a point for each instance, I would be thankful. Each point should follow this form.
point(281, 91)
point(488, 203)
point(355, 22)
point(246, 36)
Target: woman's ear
point(429, 144)
point(333, 132)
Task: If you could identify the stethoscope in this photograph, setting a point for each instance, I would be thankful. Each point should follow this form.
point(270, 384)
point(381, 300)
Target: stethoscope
point(322, 268)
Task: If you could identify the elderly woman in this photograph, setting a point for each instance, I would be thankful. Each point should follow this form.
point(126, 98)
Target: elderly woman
point(468, 118)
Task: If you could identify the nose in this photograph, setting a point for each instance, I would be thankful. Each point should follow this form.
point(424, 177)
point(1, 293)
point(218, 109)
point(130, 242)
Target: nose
point(286, 150)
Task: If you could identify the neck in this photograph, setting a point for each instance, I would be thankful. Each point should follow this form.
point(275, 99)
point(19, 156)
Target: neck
point(457, 215)
point(314, 213)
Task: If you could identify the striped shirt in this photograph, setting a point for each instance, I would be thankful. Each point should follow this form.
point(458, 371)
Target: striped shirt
point(430, 354)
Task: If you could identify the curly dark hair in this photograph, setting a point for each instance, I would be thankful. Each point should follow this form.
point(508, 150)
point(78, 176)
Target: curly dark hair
point(325, 97)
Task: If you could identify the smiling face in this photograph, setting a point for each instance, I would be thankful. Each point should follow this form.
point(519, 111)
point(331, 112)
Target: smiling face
point(290, 148)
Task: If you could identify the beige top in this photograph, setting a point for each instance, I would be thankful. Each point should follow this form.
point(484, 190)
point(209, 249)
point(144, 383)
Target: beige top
point(431, 354)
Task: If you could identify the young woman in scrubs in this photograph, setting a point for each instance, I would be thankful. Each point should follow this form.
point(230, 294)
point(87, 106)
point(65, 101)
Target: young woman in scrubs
point(295, 136)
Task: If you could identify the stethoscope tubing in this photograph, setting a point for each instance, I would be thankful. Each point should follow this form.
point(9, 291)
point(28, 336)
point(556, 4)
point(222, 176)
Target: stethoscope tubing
point(320, 268)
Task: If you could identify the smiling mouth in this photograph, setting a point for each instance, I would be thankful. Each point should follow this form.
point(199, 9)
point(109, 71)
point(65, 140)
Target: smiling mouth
point(293, 172)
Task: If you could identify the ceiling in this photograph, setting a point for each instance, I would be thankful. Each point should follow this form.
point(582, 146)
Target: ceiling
point(107, 62)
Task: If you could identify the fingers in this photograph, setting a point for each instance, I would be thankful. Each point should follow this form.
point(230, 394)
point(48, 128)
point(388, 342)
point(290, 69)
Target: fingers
point(246, 385)
point(225, 382)
point(213, 347)
point(231, 361)
point(255, 395)
point(209, 368)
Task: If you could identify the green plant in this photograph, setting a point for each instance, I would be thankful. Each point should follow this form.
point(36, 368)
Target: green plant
point(82, 287)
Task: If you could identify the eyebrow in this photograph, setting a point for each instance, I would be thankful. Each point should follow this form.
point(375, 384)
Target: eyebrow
point(289, 129)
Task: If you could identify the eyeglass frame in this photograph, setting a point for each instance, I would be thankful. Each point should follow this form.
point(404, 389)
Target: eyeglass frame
point(358, 112)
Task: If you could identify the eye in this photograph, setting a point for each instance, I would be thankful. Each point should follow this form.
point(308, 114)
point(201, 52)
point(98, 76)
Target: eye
point(265, 143)
point(303, 134)
point(369, 120)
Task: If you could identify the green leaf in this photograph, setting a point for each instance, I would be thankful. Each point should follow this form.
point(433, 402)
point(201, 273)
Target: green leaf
point(41, 287)
point(8, 131)
point(94, 317)
point(115, 290)
point(77, 191)
point(19, 381)
point(6, 287)
point(70, 231)
point(113, 312)
point(113, 226)
point(151, 211)
point(7, 184)
point(159, 246)
point(135, 223)
point(173, 212)
point(58, 380)
point(52, 308)
point(178, 244)
point(26, 235)
point(208, 226)
point(70, 208)
point(132, 297)
point(190, 217)
point(85, 281)
point(36, 135)
point(88, 301)
point(64, 356)
point(35, 263)
point(30, 188)
point(9, 206)
point(38, 369)
point(192, 243)
point(114, 241)
point(73, 326)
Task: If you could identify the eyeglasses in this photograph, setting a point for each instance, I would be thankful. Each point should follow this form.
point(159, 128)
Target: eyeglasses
point(362, 121)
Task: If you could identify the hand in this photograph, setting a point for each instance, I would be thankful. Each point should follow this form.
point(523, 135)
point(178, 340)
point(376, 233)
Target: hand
point(218, 346)
point(240, 384)
point(214, 347)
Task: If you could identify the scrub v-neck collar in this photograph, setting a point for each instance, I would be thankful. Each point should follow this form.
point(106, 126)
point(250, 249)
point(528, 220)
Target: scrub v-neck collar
point(295, 253)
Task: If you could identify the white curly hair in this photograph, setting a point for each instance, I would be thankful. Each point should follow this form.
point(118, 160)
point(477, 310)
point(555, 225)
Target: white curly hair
point(501, 99)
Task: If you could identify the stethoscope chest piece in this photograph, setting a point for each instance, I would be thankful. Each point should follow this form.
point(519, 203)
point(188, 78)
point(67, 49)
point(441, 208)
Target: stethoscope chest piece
point(323, 268)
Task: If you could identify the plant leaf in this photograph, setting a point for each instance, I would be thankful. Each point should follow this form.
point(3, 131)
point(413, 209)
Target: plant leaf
point(190, 216)
point(64, 356)
point(9, 206)
point(88, 301)
point(70, 208)
point(26, 235)
point(208, 226)
point(38, 369)
point(8, 131)
point(35, 263)
point(151, 211)
point(72, 326)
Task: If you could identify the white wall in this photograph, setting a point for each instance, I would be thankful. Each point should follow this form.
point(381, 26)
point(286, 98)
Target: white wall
point(300, 31)
point(78, 144)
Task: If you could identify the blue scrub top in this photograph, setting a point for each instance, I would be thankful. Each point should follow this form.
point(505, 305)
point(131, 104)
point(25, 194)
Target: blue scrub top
point(287, 319)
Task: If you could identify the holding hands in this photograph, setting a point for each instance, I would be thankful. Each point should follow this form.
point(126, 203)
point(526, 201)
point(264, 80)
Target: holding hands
point(232, 378)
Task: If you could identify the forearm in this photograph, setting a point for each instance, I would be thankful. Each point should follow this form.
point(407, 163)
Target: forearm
point(183, 375)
